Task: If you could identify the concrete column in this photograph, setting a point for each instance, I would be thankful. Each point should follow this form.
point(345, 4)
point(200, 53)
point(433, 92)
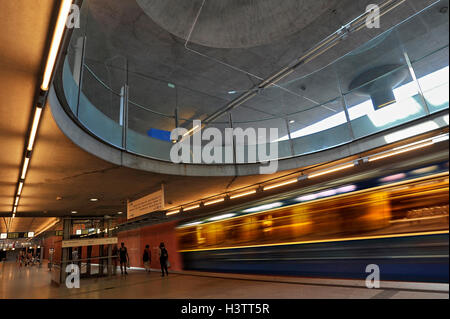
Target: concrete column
point(100, 250)
point(109, 249)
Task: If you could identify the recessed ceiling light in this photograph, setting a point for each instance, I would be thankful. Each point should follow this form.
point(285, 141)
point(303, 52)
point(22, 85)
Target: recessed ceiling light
point(93, 199)
point(74, 212)
point(119, 213)
point(292, 121)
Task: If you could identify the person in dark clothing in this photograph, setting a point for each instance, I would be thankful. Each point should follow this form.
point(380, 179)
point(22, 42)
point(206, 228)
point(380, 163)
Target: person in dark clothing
point(147, 258)
point(124, 258)
point(163, 259)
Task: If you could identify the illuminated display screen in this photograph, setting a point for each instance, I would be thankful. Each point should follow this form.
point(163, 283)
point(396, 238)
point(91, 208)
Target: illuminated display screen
point(3, 235)
point(13, 235)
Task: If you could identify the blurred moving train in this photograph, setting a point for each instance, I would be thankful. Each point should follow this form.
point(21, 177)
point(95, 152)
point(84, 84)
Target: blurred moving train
point(397, 222)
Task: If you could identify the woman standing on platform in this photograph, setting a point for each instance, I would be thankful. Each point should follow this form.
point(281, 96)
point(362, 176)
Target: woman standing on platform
point(163, 258)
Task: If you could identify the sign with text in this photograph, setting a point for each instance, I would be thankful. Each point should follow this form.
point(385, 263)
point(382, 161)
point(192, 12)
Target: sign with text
point(147, 204)
point(89, 242)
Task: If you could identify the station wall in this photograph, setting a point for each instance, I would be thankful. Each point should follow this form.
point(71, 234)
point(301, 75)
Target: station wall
point(136, 239)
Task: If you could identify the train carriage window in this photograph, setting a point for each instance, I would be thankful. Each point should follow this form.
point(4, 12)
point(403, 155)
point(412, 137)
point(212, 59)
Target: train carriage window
point(410, 206)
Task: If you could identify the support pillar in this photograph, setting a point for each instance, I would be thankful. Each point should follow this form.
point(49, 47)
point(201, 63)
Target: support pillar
point(109, 248)
point(101, 250)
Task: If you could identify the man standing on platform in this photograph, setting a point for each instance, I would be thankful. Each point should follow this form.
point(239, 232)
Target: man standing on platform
point(124, 258)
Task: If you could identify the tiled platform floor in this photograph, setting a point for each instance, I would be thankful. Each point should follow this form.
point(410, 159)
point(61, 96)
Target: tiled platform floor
point(34, 282)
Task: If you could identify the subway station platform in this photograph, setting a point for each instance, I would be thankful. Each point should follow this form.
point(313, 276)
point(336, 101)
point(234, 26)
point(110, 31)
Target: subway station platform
point(35, 283)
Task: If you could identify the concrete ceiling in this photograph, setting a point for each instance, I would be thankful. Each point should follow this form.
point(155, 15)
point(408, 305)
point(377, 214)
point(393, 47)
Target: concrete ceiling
point(60, 168)
point(233, 45)
point(234, 23)
point(24, 31)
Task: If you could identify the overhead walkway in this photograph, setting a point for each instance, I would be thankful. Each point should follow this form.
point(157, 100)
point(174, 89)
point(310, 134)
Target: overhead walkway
point(391, 88)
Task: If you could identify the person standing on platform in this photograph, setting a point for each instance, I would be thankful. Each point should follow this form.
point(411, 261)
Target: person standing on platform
point(146, 258)
point(163, 258)
point(124, 258)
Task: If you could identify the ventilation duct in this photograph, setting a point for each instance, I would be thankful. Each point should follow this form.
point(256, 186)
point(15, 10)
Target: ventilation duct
point(378, 83)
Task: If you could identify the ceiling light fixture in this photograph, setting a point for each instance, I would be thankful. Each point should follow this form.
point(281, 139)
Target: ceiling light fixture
point(191, 130)
point(400, 151)
point(291, 181)
point(191, 224)
point(93, 199)
point(172, 212)
point(243, 194)
point(215, 201)
point(26, 162)
point(262, 207)
point(119, 213)
point(34, 127)
point(191, 207)
point(221, 217)
point(56, 41)
point(339, 168)
point(51, 224)
point(74, 212)
point(19, 189)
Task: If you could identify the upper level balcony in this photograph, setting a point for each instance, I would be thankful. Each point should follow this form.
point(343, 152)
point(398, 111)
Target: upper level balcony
point(132, 95)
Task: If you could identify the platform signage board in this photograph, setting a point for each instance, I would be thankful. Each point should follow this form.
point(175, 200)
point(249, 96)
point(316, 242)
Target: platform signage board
point(89, 242)
point(147, 204)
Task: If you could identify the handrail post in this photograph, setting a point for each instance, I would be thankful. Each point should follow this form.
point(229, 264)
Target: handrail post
point(80, 78)
point(344, 105)
point(291, 142)
point(124, 114)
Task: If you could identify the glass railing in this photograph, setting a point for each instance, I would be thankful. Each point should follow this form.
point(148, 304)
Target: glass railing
point(397, 77)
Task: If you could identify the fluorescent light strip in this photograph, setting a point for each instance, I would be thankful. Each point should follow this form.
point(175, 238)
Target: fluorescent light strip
point(263, 207)
point(47, 227)
point(192, 224)
point(173, 212)
point(14, 209)
point(25, 167)
point(243, 194)
point(331, 170)
point(190, 208)
point(16, 201)
point(403, 150)
point(19, 190)
point(221, 217)
point(440, 138)
point(34, 127)
point(214, 201)
point(56, 41)
point(280, 184)
point(192, 129)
